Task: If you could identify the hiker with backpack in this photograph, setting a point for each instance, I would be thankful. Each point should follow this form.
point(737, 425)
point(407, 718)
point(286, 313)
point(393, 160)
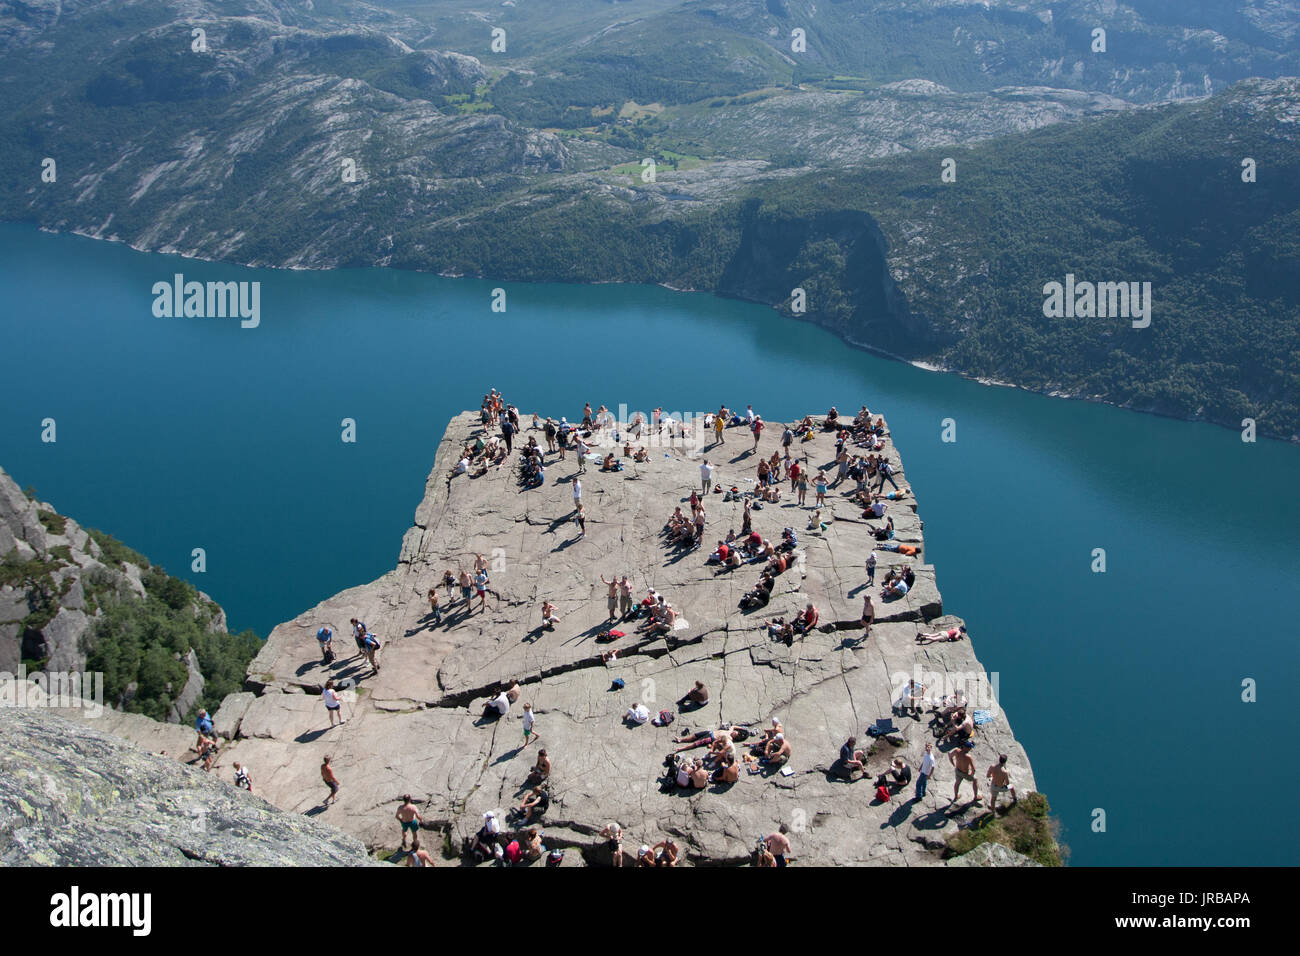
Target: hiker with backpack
point(371, 646)
point(326, 637)
point(359, 636)
point(243, 779)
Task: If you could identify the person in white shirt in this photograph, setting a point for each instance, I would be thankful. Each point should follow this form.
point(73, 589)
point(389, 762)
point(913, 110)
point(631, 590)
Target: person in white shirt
point(637, 713)
point(462, 466)
point(577, 492)
point(332, 703)
point(928, 764)
point(706, 476)
point(498, 706)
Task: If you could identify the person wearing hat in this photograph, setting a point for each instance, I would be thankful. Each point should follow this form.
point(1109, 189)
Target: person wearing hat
point(643, 857)
point(482, 841)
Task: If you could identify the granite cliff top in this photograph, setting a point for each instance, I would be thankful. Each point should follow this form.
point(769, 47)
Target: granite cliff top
point(416, 727)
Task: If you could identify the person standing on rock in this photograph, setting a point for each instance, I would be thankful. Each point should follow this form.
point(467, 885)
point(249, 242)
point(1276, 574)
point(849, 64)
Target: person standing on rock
point(624, 597)
point(409, 817)
point(508, 433)
point(359, 636)
point(577, 493)
point(418, 856)
point(778, 844)
point(928, 763)
point(434, 611)
point(465, 590)
point(371, 644)
point(203, 727)
point(331, 781)
point(326, 638)
point(758, 430)
point(612, 598)
point(613, 835)
point(871, 568)
point(1000, 781)
point(480, 587)
point(706, 476)
point(530, 722)
point(583, 450)
point(719, 424)
point(581, 519)
point(332, 703)
point(964, 764)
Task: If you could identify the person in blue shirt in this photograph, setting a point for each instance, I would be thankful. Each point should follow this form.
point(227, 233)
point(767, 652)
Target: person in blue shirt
point(203, 727)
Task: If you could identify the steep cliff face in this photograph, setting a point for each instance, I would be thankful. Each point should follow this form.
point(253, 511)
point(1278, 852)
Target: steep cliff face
point(71, 795)
point(71, 597)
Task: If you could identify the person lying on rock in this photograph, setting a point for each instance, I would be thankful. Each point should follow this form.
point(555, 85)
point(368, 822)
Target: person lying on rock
point(779, 629)
point(952, 634)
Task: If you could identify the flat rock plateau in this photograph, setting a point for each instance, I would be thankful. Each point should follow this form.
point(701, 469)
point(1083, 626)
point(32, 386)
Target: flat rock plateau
point(417, 726)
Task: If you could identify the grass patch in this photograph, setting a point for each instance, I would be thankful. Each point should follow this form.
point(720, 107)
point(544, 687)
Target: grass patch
point(53, 523)
point(1026, 828)
point(115, 552)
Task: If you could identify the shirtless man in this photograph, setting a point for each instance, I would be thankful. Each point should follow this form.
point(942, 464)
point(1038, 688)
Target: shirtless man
point(549, 620)
point(778, 844)
point(465, 589)
point(777, 751)
point(729, 772)
point(1000, 778)
point(331, 781)
point(664, 853)
point(611, 599)
point(964, 764)
point(409, 817)
point(624, 596)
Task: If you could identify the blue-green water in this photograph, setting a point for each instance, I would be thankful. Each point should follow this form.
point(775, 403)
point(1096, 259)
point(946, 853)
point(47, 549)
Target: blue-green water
point(1124, 687)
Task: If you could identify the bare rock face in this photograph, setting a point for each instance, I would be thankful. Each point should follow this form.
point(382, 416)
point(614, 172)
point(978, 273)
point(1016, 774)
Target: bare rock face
point(417, 727)
point(72, 795)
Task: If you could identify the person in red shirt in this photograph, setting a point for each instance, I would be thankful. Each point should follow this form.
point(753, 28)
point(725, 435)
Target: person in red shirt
point(807, 620)
point(795, 472)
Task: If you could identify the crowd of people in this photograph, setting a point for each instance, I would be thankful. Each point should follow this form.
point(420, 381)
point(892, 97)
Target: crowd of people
point(859, 458)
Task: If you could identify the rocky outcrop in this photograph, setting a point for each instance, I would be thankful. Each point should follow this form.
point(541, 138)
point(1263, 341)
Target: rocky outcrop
point(55, 580)
point(416, 727)
point(73, 795)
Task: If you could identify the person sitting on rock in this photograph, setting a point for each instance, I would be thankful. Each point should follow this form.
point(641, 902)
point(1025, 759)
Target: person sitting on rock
point(482, 843)
point(728, 772)
point(497, 707)
point(898, 776)
point(664, 852)
point(637, 713)
point(895, 588)
point(696, 697)
point(549, 618)
point(541, 771)
point(535, 804)
point(532, 844)
point(962, 726)
point(666, 625)
point(851, 759)
point(777, 752)
point(808, 620)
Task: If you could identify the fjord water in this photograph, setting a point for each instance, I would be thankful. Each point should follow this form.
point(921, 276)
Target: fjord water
point(1125, 687)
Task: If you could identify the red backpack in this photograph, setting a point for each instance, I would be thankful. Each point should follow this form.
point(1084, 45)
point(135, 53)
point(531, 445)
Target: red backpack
point(882, 794)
